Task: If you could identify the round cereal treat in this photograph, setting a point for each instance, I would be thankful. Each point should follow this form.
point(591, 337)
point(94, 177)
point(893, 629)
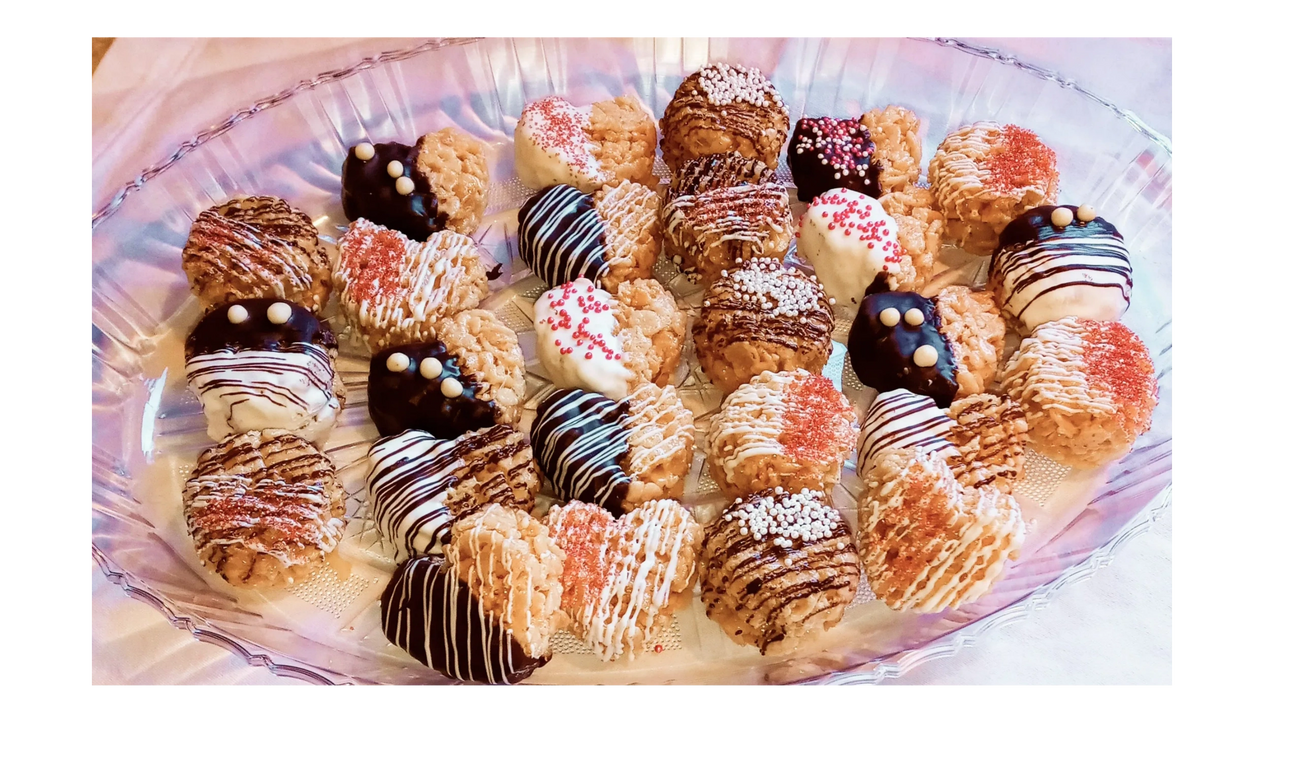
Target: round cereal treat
point(761, 317)
point(264, 509)
point(485, 611)
point(264, 364)
point(1043, 271)
point(777, 568)
point(989, 433)
point(589, 339)
point(724, 108)
point(616, 454)
point(828, 152)
point(417, 485)
point(394, 289)
point(790, 429)
point(611, 236)
point(898, 420)
point(986, 174)
point(718, 228)
point(850, 242)
point(256, 247)
point(716, 171)
point(896, 133)
point(1087, 388)
point(471, 376)
point(625, 578)
point(438, 183)
point(611, 141)
point(928, 543)
point(974, 328)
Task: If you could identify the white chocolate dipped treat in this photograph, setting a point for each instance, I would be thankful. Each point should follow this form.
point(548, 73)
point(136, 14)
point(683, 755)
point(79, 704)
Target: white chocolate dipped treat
point(553, 146)
point(850, 240)
point(900, 419)
point(576, 343)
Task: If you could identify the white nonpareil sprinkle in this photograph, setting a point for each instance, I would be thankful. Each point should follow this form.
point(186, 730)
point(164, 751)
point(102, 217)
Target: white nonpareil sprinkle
point(725, 84)
point(802, 516)
point(769, 285)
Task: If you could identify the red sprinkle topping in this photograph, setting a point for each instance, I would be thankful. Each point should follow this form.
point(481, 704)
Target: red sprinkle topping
point(372, 258)
point(1023, 161)
point(580, 533)
point(855, 215)
point(1115, 358)
point(841, 143)
point(560, 126)
point(561, 302)
point(815, 420)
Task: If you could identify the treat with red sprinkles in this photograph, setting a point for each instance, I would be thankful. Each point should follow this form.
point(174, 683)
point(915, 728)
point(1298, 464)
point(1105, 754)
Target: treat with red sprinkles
point(1088, 389)
point(985, 175)
point(828, 152)
point(791, 429)
point(851, 242)
point(557, 142)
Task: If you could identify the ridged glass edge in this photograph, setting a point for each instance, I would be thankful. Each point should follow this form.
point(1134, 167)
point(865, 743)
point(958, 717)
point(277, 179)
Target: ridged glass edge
point(878, 671)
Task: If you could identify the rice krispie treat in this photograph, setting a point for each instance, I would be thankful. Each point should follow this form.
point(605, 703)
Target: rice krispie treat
point(716, 171)
point(469, 377)
point(609, 142)
point(790, 429)
point(264, 509)
point(944, 347)
point(762, 316)
point(616, 454)
point(719, 228)
point(928, 543)
point(624, 578)
point(777, 568)
point(723, 108)
point(611, 236)
point(417, 484)
point(898, 420)
point(485, 610)
point(394, 289)
point(989, 433)
point(591, 340)
point(850, 242)
point(264, 364)
point(439, 183)
point(828, 152)
point(986, 174)
point(1087, 389)
point(896, 133)
point(920, 234)
point(1058, 261)
point(256, 247)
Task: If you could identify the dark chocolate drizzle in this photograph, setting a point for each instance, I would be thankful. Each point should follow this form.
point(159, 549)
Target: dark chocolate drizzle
point(401, 400)
point(428, 612)
point(882, 355)
point(717, 171)
point(215, 332)
point(812, 177)
point(561, 237)
point(581, 440)
point(370, 193)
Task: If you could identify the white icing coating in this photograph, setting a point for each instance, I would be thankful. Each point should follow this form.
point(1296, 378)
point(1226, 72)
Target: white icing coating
point(1048, 280)
point(553, 146)
point(849, 239)
point(900, 419)
point(291, 389)
point(279, 313)
point(576, 343)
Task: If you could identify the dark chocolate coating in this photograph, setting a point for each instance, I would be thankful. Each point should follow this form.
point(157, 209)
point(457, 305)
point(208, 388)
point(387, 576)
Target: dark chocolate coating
point(401, 400)
point(580, 440)
point(562, 237)
point(432, 615)
point(812, 177)
point(882, 356)
point(370, 193)
point(215, 332)
point(1035, 225)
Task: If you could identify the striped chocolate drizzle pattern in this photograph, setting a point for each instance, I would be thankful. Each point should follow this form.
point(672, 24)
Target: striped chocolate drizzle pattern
point(901, 419)
point(1090, 256)
point(562, 237)
point(581, 438)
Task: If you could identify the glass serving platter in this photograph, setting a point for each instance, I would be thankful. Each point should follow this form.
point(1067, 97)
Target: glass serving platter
point(148, 429)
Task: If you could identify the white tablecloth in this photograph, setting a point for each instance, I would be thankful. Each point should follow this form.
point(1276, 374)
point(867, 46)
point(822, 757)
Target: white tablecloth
point(149, 95)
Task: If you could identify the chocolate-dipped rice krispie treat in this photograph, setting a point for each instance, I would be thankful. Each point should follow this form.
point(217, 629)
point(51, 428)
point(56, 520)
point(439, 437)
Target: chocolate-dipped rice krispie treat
point(1087, 388)
point(928, 543)
point(470, 376)
point(1058, 261)
point(624, 578)
point(790, 429)
point(417, 485)
point(897, 134)
point(264, 509)
point(557, 142)
point(394, 289)
point(615, 454)
point(777, 568)
point(610, 236)
point(762, 316)
point(724, 108)
point(828, 152)
point(256, 247)
point(851, 242)
point(264, 364)
point(486, 609)
point(985, 175)
point(439, 183)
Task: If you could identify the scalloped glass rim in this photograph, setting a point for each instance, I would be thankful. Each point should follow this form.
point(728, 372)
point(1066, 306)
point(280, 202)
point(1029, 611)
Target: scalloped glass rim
point(873, 671)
